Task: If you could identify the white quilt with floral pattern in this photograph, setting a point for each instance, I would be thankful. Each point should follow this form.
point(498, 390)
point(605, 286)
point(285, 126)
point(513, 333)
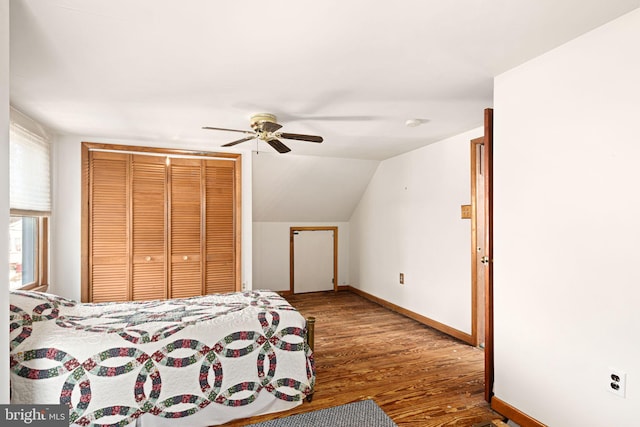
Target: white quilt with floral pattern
point(183, 362)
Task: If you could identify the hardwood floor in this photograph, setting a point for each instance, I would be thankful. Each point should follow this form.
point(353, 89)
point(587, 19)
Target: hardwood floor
point(420, 377)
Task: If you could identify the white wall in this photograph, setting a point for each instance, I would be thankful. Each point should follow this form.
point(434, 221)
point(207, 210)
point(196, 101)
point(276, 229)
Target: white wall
point(66, 212)
point(408, 221)
point(567, 229)
point(4, 200)
point(271, 252)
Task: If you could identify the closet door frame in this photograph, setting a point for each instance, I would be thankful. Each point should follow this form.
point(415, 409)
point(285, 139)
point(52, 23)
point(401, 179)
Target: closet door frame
point(86, 147)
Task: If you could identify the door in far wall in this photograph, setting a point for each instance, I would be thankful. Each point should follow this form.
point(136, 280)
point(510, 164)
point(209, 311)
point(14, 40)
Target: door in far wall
point(312, 260)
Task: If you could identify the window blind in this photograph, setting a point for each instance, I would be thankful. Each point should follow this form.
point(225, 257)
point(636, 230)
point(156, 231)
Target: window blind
point(29, 185)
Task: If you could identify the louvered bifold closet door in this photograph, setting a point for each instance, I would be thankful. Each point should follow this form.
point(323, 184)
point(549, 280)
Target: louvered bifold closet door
point(108, 227)
point(220, 227)
point(149, 245)
point(185, 222)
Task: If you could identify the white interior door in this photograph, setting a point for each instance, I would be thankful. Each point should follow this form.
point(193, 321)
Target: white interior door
point(312, 261)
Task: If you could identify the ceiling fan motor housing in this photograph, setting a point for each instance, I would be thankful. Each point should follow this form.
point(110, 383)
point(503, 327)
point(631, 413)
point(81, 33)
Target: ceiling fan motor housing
point(258, 119)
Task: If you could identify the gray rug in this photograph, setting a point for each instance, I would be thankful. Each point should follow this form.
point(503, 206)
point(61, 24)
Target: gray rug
point(358, 414)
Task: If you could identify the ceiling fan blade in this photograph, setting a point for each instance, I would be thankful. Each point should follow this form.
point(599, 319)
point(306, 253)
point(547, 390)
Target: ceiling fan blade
point(278, 146)
point(270, 126)
point(248, 132)
point(229, 144)
point(300, 137)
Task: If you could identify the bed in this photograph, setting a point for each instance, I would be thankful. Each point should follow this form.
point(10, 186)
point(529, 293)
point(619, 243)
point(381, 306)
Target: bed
point(193, 362)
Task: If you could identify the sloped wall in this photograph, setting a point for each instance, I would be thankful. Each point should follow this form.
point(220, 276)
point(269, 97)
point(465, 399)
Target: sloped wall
point(307, 188)
point(566, 229)
point(302, 191)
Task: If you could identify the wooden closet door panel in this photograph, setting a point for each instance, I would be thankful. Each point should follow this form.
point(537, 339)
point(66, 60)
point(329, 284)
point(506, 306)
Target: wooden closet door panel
point(220, 227)
point(108, 229)
point(186, 227)
point(149, 246)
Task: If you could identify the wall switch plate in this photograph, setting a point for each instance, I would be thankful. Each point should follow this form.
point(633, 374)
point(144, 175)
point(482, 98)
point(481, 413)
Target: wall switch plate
point(617, 382)
point(465, 212)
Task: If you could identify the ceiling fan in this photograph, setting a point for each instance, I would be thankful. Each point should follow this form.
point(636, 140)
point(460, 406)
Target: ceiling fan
point(265, 128)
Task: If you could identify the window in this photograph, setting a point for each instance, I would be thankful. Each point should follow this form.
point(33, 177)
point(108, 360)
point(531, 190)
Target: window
point(30, 203)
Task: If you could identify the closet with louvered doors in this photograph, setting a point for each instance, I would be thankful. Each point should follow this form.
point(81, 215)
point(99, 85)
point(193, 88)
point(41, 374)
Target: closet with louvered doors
point(159, 226)
point(201, 227)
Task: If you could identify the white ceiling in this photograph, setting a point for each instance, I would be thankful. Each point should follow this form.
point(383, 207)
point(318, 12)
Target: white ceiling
point(350, 71)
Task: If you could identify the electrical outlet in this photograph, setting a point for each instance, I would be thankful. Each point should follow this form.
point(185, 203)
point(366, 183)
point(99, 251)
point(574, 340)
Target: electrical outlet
point(402, 278)
point(617, 382)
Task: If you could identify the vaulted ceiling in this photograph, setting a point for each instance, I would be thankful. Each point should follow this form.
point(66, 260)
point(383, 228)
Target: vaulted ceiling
point(351, 71)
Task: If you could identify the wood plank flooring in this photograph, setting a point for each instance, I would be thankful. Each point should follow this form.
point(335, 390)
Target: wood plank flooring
point(420, 377)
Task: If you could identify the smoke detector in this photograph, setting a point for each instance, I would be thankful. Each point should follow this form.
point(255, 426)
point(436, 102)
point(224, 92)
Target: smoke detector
point(414, 122)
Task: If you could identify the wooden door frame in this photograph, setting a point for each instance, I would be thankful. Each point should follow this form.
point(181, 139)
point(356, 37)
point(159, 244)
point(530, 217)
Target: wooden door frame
point(487, 164)
point(292, 231)
point(488, 244)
